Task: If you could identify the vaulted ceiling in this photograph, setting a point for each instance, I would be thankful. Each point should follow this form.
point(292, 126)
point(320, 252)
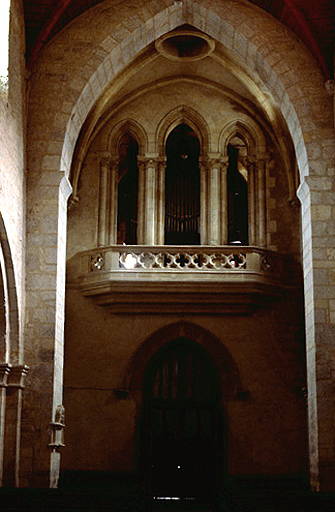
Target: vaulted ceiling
point(311, 20)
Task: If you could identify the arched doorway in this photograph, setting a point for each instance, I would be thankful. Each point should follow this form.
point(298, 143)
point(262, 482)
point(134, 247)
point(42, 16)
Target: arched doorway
point(182, 187)
point(182, 425)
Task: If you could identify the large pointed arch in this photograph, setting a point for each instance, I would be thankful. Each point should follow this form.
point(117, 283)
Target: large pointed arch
point(298, 95)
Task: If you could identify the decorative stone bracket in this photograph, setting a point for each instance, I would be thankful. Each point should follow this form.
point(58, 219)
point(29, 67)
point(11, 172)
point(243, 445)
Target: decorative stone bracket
point(57, 429)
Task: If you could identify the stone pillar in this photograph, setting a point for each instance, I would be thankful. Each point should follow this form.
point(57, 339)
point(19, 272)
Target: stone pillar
point(214, 204)
point(224, 199)
point(4, 372)
point(319, 271)
point(113, 195)
point(148, 169)
point(103, 216)
point(12, 437)
point(204, 198)
point(47, 194)
point(252, 200)
point(141, 201)
point(261, 201)
point(161, 201)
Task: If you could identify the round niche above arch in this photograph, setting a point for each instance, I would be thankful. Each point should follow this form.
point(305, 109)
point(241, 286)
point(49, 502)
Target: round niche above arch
point(185, 44)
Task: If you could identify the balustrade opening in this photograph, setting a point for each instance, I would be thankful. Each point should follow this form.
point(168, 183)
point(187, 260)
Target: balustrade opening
point(127, 191)
point(182, 187)
point(182, 428)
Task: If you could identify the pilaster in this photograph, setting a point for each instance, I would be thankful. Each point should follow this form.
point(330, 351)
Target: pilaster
point(314, 192)
point(4, 373)
point(12, 431)
point(47, 197)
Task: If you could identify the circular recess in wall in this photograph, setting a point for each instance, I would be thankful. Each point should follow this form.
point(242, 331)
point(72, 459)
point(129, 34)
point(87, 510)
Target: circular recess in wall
point(185, 45)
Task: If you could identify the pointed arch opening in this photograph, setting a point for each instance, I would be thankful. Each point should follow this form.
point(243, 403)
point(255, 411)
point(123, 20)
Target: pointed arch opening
point(237, 186)
point(127, 179)
point(182, 425)
point(182, 187)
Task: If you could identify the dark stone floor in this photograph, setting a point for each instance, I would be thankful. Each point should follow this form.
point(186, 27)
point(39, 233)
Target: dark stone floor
point(124, 494)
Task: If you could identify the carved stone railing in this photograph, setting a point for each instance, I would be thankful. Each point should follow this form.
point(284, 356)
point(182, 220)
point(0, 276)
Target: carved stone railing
point(119, 274)
point(197, 258)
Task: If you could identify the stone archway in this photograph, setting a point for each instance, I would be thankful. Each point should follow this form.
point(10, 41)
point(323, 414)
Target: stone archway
point(227, 23)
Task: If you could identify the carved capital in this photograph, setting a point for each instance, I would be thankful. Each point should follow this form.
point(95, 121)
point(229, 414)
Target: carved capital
point(115, 161)
point(213, 161)
point(18, 376)
point(4, 373)
point(104, 157)
point(146, 162)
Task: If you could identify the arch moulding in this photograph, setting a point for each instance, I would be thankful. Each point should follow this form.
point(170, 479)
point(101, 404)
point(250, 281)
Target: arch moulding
point(133, 128)
point(216, 26)
point(229, 374)
point(187, 115)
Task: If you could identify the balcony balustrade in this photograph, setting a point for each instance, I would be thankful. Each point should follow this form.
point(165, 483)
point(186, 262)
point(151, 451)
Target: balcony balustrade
point(192, 279)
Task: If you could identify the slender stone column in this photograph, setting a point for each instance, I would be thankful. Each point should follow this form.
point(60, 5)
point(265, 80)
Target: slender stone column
point(214, 201)
point(224, 200)
point(103, 201)
point(161, 201)
point(252, 200)
point(4, 373)
point(12, 435)
point(204, 201)
point(114, 169)
point(261, 192)
point(141, 202)
point(149, 169)
point(217, 199)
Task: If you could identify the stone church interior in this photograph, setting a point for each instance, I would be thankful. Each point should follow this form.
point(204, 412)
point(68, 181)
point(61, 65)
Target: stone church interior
point(167, 255)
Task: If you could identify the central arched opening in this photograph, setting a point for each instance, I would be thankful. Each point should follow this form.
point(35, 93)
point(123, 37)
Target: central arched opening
point(182, 427)
point(182, 187)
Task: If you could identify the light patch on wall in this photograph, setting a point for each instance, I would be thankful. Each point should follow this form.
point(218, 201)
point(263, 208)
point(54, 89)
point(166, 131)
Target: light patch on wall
point(4, 33)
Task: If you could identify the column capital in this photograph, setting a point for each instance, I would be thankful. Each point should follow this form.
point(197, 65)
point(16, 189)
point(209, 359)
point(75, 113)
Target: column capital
point(18, 376)
point(5, 369)
point(105, 158)
point(148, 160)
point(212, 161)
